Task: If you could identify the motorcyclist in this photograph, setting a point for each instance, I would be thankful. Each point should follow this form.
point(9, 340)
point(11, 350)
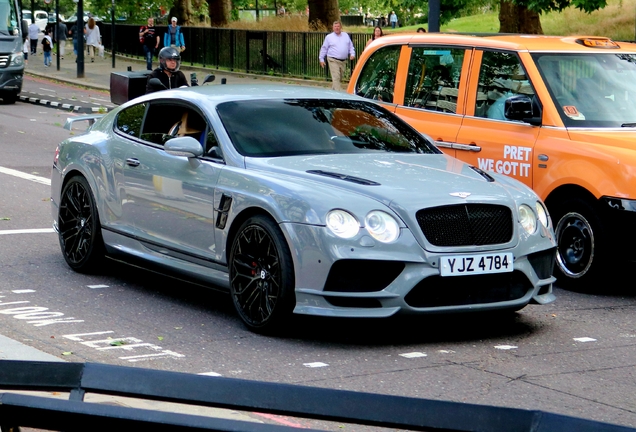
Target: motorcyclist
point(168, 71)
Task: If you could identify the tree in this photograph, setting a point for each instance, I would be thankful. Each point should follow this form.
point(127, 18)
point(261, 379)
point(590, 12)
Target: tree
point(322, 13)
point(523, 16)
point(219, 12)
point(515, 18)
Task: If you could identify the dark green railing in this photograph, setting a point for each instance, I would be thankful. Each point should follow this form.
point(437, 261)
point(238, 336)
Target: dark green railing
point(293, 54)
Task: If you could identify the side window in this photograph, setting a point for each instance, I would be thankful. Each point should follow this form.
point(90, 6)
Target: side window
point(167, 120)
point(129, 120)
point(501, 75)
point(378, 75)
point(433, 78)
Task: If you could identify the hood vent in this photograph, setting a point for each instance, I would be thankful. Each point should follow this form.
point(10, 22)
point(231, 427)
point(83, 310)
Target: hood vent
point(482, 173)
point(345, 177)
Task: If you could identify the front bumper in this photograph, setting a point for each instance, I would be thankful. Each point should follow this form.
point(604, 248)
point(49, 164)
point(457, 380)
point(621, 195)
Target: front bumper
point(11, 81)
point(336, 278)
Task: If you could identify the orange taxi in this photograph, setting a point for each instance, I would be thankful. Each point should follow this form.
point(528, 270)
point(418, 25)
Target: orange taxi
point(557, 113)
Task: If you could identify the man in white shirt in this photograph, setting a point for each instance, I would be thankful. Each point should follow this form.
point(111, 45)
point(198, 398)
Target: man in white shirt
point(336, 48)
point(34, 30)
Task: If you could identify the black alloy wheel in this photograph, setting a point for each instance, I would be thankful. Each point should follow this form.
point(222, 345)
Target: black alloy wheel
point(79, 228)
point(580, 244)
point(261, 275)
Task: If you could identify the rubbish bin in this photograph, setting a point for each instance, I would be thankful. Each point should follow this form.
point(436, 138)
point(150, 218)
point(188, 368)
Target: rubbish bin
point(125, 86)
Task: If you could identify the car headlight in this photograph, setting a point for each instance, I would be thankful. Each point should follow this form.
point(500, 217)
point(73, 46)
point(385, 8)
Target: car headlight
point(382, 226)
point(527, 219)
point(542, 214)
point(17, 59)
point(342, 223)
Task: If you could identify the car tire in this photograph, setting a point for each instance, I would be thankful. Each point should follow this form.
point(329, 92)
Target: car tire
point(261, 275)
point(79, 228)
point(9, 98)
point(581, 244)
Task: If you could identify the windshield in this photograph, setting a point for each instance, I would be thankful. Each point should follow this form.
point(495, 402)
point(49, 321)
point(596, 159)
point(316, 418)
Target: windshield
point(286, 127)
point(8, 18)
point(591, 90)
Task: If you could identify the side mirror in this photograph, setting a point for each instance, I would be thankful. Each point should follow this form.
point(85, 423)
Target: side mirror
point(183, 146)
point(25, 27)
point(156, 83)
point(209, 78)
point(523, 108)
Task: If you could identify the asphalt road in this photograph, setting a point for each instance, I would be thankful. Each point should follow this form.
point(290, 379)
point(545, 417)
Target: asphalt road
point(576, 356)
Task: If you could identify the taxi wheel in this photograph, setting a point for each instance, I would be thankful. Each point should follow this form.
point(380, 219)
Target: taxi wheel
point(261, 275)
point(79, 228)
point(580, 244)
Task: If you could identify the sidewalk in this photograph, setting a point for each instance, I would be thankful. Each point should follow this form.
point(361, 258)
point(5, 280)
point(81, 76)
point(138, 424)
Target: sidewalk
point(97, 74)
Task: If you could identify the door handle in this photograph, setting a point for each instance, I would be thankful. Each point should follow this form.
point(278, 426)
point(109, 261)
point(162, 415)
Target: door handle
point(133, 162)
point(466, 147)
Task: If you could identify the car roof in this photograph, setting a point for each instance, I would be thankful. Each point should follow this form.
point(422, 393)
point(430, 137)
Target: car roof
point(219, 93)
point(514, 42)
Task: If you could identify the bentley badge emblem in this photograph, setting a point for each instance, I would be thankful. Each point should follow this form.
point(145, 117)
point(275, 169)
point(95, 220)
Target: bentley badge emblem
point(460, 194)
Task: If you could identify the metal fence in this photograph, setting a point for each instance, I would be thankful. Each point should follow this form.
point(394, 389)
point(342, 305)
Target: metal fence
point(293, 54)
point(354, 408)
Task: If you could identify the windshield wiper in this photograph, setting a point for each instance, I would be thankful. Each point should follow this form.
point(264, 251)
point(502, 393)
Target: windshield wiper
point(628, 125)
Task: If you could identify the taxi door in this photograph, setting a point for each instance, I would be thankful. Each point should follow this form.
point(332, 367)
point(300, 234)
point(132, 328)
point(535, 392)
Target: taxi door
point(488, 140)
point(431, 98)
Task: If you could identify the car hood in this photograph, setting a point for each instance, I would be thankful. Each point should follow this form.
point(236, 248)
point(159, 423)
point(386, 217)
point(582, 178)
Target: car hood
point(406, 181)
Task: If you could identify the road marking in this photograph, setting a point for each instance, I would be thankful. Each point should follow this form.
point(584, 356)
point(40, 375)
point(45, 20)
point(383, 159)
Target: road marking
point(210, 374)
point(122, 343)
point(28, 231)
point(23, 291)
point(25, 176)
point(97, 286)
point(506, 347)
point(585, 339)
point(315, 364)
point(413, 355)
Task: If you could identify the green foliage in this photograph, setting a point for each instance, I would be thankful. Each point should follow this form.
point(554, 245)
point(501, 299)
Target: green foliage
point(542, 6)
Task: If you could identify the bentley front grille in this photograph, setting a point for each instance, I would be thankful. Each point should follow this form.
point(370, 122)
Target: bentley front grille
point(466, 224)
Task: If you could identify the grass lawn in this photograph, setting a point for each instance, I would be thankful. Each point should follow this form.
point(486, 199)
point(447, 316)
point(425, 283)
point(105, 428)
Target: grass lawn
point(617, 21)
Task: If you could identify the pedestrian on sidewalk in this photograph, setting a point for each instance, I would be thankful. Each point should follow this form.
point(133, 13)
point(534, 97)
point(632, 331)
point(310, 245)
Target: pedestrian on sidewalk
point(93, 38)
point(47, 43)
point(73, 33)
point(61, 32)
point(336, 48)
point(26, 47)
point(150, 39)
point(34, 30)
point(377, 33)
point(393, 19)
point(174, 37)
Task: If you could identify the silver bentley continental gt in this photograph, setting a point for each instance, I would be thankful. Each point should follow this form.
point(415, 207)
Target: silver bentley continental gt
point(298, 200)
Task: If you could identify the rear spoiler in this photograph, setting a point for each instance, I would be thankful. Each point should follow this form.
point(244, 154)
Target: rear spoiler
point(91, 119)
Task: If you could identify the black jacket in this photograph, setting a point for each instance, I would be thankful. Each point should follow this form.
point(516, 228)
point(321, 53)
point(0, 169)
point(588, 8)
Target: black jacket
point(176, 80)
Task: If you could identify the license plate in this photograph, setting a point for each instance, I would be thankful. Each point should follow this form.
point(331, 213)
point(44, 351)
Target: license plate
point(462, 265)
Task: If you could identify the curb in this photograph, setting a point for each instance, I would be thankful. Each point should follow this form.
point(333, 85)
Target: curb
point(64, 106)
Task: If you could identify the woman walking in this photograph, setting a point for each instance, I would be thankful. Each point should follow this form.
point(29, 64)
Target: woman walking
point(93, 38)
point(377, 33)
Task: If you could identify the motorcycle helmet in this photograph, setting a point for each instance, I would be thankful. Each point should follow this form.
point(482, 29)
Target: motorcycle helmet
point(169, 53)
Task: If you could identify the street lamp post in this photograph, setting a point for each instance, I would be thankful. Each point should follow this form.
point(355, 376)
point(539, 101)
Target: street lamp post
point(56, 31)
point(80, 38)
point(112, 32)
